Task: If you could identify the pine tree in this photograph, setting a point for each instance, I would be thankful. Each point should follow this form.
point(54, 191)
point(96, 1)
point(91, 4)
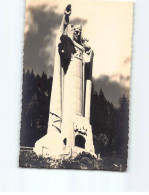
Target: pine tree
point(123, 115)
point(35, 107)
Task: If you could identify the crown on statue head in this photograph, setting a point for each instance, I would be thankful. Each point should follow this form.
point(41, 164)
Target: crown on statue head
point(77, 28)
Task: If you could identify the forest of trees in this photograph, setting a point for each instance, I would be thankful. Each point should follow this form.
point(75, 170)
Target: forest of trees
point(109, 124)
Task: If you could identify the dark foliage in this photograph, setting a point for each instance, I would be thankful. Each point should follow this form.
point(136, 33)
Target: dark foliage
point(83, 161)
point(109, 124)
point(35, 107)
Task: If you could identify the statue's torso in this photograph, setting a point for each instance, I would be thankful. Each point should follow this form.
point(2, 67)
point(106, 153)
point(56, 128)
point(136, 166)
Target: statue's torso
point(73, 83)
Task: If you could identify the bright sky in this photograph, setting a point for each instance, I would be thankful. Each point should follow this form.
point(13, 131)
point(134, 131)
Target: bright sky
point(108, 28)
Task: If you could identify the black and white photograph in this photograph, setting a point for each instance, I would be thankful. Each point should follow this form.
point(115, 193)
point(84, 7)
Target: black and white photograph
point(76, 82)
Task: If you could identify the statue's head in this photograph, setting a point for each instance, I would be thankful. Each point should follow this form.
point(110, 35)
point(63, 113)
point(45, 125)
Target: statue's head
point(77, 31)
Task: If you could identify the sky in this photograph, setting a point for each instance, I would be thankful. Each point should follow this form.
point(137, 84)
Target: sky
point(107, 25)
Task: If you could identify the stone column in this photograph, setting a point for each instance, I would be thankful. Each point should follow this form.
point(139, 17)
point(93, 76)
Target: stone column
point(73, 94)
point(56, 94)
point(88, 99)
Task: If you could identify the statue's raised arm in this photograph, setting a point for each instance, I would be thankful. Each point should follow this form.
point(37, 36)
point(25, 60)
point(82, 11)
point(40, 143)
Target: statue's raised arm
point(65, 20)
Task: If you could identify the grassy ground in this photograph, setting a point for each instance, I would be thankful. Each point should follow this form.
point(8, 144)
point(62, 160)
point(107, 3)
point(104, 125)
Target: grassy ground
point(83, 161)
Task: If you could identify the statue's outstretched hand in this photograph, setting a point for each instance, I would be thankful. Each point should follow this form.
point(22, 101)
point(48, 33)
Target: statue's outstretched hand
point(68, 9)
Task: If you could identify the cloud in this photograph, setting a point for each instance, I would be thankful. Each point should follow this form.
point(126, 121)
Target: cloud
point(41, 25)
point(112, 89)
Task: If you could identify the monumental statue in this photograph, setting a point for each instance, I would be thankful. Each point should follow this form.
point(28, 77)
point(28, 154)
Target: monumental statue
point(69, 130)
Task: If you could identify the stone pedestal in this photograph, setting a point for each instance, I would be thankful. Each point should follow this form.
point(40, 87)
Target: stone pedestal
point(61, 145)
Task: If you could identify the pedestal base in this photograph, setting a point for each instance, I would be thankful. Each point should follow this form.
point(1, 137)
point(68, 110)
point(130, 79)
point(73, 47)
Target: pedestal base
point(76, 137)
point(62, 153)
